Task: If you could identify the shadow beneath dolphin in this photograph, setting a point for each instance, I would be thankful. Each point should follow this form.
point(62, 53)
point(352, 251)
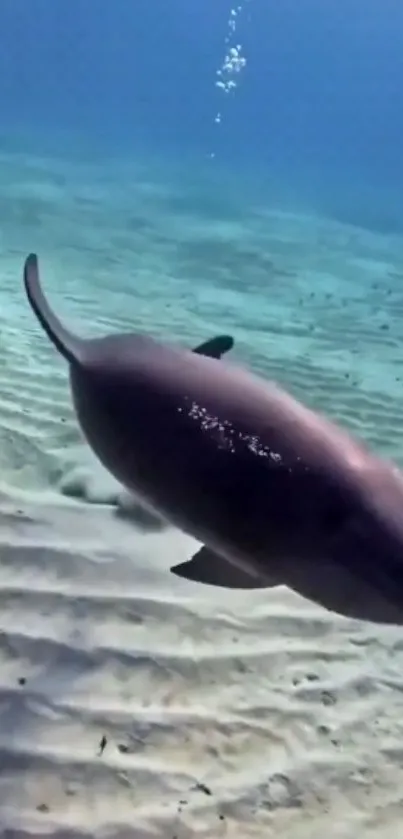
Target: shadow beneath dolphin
point(88, 484)
point(144, 519)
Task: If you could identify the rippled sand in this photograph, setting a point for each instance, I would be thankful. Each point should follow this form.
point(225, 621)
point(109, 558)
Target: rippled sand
point(134, 704)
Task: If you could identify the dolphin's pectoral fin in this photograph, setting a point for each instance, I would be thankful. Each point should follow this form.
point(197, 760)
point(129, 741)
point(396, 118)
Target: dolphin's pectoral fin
point(215, 347)
point(211, 569)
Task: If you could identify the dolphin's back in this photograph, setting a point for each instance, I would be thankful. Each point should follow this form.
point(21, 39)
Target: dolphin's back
point(212, 446)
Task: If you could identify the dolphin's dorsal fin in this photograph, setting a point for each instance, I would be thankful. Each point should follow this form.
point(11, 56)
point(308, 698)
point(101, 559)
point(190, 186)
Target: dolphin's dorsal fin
point(215, 347)
point(70, 347)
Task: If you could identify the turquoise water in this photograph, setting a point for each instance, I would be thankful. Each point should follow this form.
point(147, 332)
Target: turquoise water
point(190, 168)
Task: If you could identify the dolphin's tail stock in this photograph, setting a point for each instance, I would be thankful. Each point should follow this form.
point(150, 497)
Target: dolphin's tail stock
point(70, 347)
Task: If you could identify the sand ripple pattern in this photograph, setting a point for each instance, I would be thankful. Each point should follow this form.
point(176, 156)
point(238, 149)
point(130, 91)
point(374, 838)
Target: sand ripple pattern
point(134, 705)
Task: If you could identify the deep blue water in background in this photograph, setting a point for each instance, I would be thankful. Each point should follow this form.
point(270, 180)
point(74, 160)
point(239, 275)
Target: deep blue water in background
point(317, 111)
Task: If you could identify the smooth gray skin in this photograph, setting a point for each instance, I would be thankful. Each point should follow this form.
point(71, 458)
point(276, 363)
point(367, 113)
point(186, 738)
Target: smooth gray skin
point(276, 493)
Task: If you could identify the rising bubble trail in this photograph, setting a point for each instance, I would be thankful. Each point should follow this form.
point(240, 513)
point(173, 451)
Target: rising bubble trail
point(227, 76)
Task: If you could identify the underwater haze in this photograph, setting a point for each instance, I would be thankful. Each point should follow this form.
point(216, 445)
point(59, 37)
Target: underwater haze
point(192, 168)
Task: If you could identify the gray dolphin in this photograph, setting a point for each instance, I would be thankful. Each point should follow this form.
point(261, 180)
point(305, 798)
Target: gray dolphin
point(276, 493)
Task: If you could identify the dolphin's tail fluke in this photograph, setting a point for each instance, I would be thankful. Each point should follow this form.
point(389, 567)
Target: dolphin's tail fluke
point(70, 347)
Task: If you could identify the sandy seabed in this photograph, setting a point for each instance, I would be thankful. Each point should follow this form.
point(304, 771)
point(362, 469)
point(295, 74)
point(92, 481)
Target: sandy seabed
point(133, 704)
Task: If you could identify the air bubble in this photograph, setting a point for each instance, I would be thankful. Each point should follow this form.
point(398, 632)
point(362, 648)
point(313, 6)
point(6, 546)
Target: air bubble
point(234, 61)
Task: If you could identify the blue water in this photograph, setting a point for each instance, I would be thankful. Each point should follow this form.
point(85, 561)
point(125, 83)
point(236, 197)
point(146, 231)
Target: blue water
point(188, 168)
point(317, 108)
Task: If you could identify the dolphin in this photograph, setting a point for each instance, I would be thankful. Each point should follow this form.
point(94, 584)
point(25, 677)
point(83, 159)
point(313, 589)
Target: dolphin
point(276, 493)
